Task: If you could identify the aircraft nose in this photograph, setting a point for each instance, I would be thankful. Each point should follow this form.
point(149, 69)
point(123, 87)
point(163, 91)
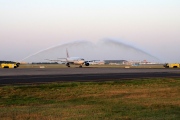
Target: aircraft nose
point(82, 61)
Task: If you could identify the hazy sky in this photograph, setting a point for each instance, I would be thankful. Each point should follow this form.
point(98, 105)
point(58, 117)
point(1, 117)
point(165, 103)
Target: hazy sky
point(28, 26)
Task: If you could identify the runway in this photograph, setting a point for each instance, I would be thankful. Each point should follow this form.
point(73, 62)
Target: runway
point(45, 75)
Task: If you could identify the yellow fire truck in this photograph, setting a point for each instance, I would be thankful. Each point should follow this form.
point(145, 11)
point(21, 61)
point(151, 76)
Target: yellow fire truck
point(9, 64)
point(172, 65)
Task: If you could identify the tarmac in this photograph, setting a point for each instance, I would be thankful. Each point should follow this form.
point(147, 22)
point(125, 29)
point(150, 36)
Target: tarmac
point(46, 75)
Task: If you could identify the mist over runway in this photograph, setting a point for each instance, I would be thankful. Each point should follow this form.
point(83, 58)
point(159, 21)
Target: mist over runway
point(106, 49)
point(37, 75)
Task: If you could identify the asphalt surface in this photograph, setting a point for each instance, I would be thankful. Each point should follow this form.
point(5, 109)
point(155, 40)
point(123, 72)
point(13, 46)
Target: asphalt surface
point(44, 75)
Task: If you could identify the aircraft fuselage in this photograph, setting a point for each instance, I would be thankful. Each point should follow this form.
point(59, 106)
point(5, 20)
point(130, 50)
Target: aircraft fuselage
point(75, 60)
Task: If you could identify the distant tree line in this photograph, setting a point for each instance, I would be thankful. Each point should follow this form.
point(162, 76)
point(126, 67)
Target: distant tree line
point(44, 62)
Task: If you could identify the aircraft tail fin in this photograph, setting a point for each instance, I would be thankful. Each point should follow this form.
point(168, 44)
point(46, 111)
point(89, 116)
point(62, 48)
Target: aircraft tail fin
point(67, 53)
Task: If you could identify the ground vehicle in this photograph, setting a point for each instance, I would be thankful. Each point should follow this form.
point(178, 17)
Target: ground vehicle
point(172, 65)
point(9, 64)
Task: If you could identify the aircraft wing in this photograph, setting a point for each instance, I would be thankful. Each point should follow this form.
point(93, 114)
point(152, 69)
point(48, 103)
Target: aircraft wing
point(54, 60)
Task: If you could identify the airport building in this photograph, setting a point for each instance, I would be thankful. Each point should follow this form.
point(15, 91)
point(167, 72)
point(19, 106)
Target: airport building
point(120, 62)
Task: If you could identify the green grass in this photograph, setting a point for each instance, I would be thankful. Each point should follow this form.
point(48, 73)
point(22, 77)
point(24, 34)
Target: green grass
point(149, 99)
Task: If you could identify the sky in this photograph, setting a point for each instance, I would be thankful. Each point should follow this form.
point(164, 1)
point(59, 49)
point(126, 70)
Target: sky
point(29, 26)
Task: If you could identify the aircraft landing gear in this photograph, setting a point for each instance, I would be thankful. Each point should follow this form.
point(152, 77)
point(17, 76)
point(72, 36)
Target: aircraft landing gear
point(80, 66)
point(67, 64)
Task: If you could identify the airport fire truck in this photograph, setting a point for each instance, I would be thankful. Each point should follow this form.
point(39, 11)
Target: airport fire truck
point(9, 64)
point(172, 65)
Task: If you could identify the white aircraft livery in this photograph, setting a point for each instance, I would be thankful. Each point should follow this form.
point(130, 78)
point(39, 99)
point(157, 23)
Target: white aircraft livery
point(75, 60)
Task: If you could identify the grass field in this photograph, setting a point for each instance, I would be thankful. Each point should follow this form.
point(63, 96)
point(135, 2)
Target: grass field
point(140, 99)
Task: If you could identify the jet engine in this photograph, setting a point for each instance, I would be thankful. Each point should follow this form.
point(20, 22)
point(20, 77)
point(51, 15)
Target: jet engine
point(86, 64)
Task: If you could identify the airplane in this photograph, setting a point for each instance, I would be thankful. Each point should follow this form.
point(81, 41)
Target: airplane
point(73, 60)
